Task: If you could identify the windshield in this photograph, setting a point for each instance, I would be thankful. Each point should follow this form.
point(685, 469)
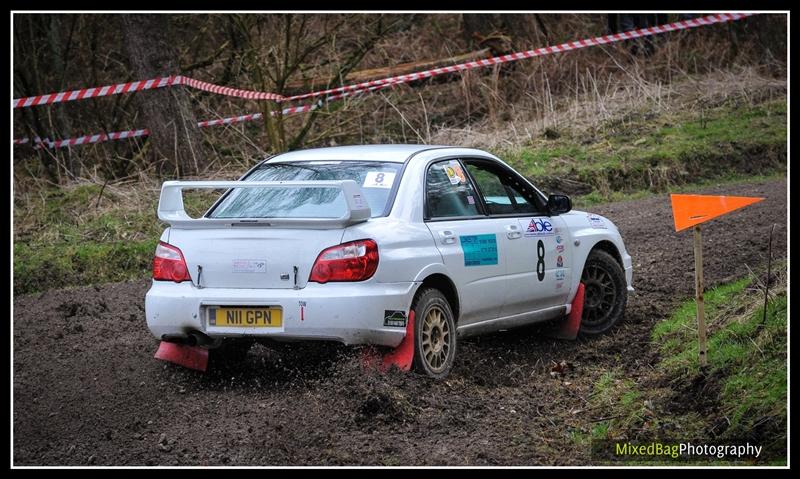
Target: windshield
point(375, 178)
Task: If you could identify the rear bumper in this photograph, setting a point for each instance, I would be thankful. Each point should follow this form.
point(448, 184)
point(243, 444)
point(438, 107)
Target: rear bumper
point(352, 313)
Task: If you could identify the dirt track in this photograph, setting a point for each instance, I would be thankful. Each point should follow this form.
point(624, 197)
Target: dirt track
point(88, 391)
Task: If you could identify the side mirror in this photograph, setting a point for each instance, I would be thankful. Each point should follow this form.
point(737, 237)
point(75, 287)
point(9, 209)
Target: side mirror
point(558, 204)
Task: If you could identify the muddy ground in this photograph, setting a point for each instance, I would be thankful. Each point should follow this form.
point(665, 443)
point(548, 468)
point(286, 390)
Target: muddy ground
point(87, 389)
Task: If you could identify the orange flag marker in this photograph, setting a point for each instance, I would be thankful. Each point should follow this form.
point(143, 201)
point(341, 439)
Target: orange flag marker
point(690, 210)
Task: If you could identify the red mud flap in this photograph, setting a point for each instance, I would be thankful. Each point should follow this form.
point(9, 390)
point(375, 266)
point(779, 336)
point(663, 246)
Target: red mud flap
point(192, 357)
point(402, 356)
point(568, 328)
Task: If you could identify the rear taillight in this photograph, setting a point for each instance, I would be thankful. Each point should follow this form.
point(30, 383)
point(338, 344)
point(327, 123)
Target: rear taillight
point(169, 265)
point(353, 261)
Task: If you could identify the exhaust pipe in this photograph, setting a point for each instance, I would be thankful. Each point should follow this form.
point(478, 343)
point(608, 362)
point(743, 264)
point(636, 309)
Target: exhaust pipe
point(202, 339)
point(191, 338)
point(188, 340)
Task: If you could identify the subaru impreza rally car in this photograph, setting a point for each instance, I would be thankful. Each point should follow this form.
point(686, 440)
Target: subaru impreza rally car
point(347, 243)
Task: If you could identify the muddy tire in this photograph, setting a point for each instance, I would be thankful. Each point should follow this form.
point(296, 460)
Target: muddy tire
point(435, 339)
point(606, 293)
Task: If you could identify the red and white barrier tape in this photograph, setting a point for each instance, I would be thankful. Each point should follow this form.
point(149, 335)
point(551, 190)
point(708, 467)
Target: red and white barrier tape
point(230, 121)
point(256, 95)
point(227, 91)
point(102, 137)
point(575, 45)
point(96, 138)
point(339, 92)
point(96, 92)
point(132, 87)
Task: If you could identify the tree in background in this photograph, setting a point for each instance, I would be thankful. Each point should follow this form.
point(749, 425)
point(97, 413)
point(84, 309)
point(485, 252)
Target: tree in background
point(276, 49)
point(175, 142)
point(297, 53)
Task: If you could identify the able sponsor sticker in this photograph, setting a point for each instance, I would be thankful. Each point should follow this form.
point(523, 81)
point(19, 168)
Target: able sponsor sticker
point(394, 318)
point(479, 250)
point(539, 227)
point(379, 179)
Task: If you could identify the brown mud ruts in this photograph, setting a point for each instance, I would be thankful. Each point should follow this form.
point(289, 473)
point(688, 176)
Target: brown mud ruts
point(87, 389)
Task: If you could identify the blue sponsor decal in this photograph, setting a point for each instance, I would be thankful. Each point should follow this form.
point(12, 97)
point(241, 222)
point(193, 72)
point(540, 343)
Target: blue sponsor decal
point(479, 250)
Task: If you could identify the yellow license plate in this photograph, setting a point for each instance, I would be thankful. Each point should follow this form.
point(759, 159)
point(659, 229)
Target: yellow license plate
point(267, 317)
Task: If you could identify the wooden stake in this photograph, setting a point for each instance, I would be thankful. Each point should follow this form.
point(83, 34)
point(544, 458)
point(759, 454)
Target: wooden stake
point(698, 295)
point(769, 273)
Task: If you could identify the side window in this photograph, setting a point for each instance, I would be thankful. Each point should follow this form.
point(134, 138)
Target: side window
point(448, 191)
point(502, 191)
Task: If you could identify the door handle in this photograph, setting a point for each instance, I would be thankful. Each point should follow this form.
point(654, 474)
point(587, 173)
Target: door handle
point(447, 237)
point(513, 232)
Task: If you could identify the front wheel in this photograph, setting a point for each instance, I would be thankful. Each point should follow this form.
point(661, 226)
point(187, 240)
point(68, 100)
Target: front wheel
point(606, 292)
point(435, 340)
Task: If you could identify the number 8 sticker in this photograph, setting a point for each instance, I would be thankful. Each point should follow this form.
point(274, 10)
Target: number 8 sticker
point(540, 262)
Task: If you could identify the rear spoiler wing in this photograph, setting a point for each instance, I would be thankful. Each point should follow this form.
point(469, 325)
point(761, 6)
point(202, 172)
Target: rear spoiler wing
point(171, 209)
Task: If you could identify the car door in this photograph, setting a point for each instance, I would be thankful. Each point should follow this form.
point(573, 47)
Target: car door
point(538, 255)
point(471, 244)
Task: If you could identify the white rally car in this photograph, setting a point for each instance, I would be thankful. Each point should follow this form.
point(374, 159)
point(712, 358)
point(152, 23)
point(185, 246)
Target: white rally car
point(346, 243)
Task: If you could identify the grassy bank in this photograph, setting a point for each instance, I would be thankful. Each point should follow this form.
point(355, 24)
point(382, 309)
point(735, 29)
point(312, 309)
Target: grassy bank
point(74, 236)
point(87, 233)
point(646, 151)
point(741, 395)
point(746, 357)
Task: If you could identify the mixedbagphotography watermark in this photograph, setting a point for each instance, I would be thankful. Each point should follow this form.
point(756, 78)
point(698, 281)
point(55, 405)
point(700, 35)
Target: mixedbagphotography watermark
point(675, 451)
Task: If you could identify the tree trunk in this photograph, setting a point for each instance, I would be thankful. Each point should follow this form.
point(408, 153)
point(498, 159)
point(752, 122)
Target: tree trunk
point(477, 26)
point(503, 32)
point(60, 123)
point(174, 139)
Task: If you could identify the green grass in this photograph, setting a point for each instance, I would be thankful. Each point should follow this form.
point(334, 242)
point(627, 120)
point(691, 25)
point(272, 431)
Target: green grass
point(621, 407)
point(596, 197)
point(745, 353)
point(65, 237)
point(675, 333)
point(746, 376)
point(660, 152)
point(38, 267)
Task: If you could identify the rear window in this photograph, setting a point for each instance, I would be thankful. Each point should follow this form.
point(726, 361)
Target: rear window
point(375, 178)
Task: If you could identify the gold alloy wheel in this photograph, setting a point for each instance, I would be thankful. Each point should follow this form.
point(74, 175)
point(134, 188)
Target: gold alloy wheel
point(435, 339)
